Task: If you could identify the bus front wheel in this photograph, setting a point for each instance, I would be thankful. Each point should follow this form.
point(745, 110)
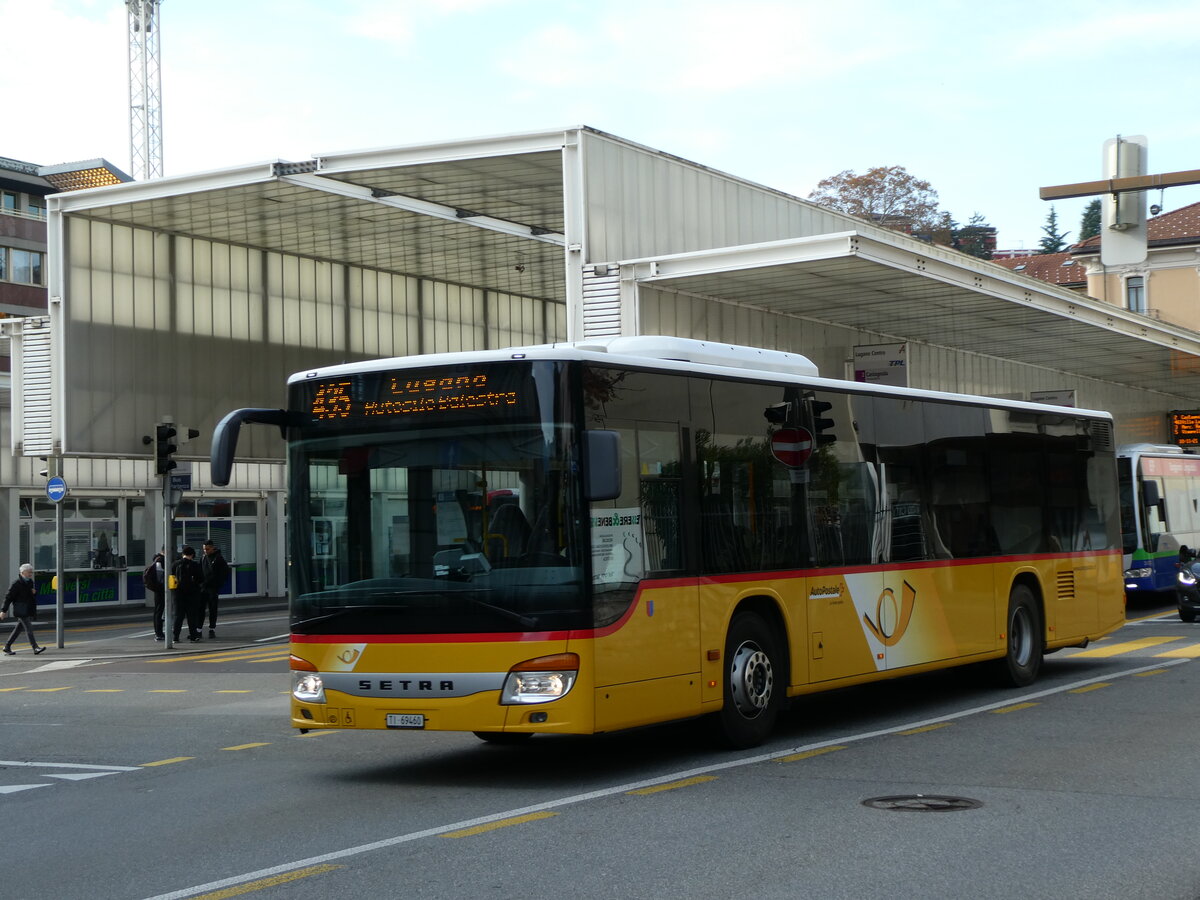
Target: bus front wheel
point(1023, 659)
point(753, 689)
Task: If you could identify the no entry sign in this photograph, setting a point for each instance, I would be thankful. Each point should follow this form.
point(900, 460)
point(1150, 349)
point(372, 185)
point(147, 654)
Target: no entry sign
point(792, 446)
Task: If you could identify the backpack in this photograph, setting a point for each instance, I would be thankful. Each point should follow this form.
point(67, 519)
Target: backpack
point(150, 577)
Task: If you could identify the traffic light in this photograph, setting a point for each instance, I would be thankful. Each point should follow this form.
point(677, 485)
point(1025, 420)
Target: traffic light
point(164, 446)
point(821, 426)
point(167, 438)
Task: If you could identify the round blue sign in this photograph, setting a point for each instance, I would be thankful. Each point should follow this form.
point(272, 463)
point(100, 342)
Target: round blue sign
point(56, 489)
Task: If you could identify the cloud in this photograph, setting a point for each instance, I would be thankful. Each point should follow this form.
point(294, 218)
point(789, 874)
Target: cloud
point(700, 47)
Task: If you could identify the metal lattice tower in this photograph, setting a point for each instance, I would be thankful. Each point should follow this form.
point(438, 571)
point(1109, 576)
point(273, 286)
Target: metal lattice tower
point(145, 90)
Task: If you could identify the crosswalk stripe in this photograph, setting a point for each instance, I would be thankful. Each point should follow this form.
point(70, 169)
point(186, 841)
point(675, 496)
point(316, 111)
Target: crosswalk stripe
point(1192, 651)
point(1122, 647)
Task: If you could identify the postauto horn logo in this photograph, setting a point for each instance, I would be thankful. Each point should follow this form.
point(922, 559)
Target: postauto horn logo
point(891, 622)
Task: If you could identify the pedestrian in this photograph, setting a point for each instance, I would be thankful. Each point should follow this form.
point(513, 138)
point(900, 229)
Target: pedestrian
point(189, 604)
point(215, 570)
point(22, 597)
point(155, 582)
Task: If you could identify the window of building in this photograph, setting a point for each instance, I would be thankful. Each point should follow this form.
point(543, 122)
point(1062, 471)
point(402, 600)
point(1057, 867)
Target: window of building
point(1135, 294)
point(8, 202)
point(36, 206)
point(22, 266)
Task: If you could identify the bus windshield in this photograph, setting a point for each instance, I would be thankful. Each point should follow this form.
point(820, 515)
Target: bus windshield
point(440, 523)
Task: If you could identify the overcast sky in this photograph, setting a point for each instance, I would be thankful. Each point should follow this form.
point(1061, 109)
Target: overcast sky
point(987, 102)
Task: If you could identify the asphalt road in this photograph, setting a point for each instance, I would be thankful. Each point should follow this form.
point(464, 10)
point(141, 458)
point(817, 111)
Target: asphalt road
point(169, 776)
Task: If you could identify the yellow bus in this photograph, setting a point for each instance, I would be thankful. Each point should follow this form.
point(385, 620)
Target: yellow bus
point(581, 538)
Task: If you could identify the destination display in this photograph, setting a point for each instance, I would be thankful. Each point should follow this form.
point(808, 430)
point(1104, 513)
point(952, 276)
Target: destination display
point(505, 391)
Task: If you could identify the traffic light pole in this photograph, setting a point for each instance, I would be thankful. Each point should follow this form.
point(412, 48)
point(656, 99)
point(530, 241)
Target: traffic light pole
point(167, 436)
point(168, 564)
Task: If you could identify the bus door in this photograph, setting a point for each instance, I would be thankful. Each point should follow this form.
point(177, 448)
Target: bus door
point(849, 610)
point(646, 666)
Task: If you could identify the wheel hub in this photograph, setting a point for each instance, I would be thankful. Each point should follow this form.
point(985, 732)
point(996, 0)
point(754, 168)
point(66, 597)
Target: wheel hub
point(752, 679)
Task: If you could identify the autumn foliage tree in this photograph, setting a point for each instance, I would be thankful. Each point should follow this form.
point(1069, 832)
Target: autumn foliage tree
point(888, 195)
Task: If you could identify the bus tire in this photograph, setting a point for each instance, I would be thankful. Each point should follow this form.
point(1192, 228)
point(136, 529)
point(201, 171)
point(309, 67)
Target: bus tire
point(503, 738)
point(752, 685)
point(1023, 659)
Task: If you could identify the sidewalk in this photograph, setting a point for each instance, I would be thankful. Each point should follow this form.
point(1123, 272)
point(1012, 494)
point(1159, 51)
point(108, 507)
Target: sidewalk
point(125, 632)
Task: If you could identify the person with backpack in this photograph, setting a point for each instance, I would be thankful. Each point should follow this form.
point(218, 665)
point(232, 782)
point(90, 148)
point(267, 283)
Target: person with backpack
point(155, 582)
point(189, 580)
point(22, 597)
point(216, 570)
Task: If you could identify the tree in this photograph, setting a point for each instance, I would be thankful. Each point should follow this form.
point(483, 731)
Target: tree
point(1053, 242)
point(1089, 225)
point(888, 195)
point(977, 237)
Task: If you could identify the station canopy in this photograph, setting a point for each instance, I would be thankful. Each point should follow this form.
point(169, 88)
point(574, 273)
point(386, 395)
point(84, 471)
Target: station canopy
point(506, 213)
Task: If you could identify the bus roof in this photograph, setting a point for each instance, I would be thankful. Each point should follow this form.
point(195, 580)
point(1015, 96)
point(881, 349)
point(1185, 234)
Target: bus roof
point(674, 354)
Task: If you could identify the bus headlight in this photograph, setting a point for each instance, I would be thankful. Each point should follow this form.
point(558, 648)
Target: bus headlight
point(307, 684)
point(540, 680)
point(1138, 573)
point(1187, 578)
point(308, 687)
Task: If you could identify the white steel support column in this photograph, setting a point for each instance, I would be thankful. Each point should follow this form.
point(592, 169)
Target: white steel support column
point(576, 238)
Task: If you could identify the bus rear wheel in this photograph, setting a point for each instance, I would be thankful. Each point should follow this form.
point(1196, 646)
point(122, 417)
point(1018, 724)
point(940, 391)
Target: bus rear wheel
point(1023, 659)
point(753, 691)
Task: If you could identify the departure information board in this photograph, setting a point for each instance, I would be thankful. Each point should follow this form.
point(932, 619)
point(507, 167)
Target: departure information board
point(1185, 427)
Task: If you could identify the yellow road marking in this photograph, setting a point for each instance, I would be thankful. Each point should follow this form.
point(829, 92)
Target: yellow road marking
point(318, 733)
point(1014, 708)
point(105, 691)
point(1122, 647)
point(233, 692)
point(1151, 672)
point(167, 691)
point(6, 690)
point(167, 762)
point(503, 823)
point(216, 657)
point(248, 746)
point(48, 690)
point(1192, 651)
point(686, 782)
point(1090, 687)
point(262, 883)
point(925, 728)
point(808, 754)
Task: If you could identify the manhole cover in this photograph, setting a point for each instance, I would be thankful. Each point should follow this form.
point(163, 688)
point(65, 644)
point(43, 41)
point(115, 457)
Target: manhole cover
point(922, 803)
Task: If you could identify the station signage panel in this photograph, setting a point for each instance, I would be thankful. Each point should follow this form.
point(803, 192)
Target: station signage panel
point(1185, 427)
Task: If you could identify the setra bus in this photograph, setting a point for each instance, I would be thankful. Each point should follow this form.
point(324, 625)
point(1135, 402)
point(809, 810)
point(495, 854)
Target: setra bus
point(1160, 513)
point(581, 538)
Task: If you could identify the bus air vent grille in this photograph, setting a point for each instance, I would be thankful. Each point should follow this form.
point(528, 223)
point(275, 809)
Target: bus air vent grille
point(1066, 585)
point(1102, 435)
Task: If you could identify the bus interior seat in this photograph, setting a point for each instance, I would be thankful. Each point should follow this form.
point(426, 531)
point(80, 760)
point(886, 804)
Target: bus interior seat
point(508, 533)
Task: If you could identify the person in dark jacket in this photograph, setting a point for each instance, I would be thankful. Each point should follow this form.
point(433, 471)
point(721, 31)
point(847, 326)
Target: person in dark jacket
point(189, 579)
point(215, 571)
point(154, 578)
point(22, 597)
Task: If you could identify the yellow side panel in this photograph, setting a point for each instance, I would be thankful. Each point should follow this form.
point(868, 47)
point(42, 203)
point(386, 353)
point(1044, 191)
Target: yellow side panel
point(660, 638)
point(647, 702)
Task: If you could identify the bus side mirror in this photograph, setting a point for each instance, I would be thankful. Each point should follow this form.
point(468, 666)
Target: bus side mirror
point(602, 461)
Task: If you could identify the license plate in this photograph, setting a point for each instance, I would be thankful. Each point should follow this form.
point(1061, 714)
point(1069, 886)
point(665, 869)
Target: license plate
point(405, 720)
